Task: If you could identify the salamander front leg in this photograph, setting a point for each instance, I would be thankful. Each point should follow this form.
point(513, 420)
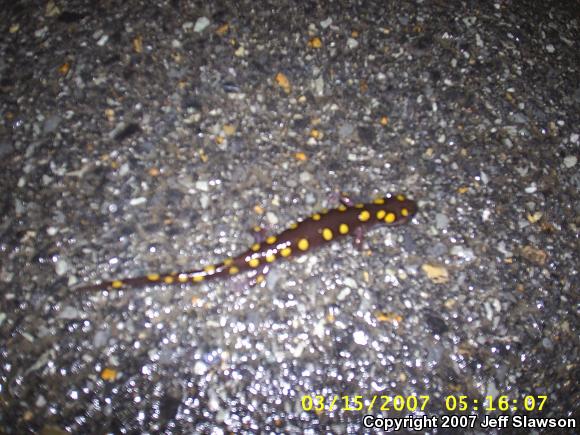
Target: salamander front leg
point(359, 238)
point(258, 276)
point(247, 280)
point(259, 233)
point(341, 197)
point(346, 200)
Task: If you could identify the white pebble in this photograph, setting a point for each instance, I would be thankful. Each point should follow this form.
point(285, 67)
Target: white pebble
point(124, 169)
point(138, 201)
point(69, 312)
point(61, 267)
point(462, 252)
point(271, 218)
point(343, 294)
point(40, 401)
point(318, 329)
point(349, 282)
point(103, 40)
point(352, 43)
point(531, 188)
point(570, 161)
point(199, 368)
point(204, 201)
point(305, 177)
point(200, 24)
point(324, 24)
point(441, 221)
point(360, 338)
point(202, 185)
point(484, 178)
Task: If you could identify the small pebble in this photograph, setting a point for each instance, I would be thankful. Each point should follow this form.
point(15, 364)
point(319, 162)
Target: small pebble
point(200, 24)
point(326, 23)
point(361, 338)
point(352, 43)
point(61, 267)
point(570, 161)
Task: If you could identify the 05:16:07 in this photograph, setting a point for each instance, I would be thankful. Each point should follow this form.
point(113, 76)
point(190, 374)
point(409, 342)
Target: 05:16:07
point(491, 403)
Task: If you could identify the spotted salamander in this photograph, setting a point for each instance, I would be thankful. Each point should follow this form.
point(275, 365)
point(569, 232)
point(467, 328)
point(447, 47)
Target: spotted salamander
point(299, 238)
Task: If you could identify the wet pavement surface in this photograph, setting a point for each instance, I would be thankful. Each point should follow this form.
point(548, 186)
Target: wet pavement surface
point(143, 137)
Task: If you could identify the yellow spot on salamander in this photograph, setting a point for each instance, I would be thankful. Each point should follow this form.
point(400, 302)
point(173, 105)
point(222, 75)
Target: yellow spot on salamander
point(379, 201)
point(271, 239)
point(342, 207)
point(260, 279)
point(303, 244)
point(198, 278)
point(359, 205)
point(270, 258)
point(228, 262)
point(254, 262)
point(364, 216)
point(400, 197)
point(343, 229)
point(168, 279)
point(327, 234)
point(405, 212)
point(381, 214)
point(255, 247)
point(286, 252)
point(390, 218)
point(316, 217)
point(293, 226)
point(153, 277)
point(234, 270)
point(117, 284)
point(182, 277)
point(210, 269)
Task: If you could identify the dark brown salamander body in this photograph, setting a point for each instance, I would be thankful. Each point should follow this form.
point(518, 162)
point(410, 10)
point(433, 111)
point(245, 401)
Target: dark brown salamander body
point(299, 238)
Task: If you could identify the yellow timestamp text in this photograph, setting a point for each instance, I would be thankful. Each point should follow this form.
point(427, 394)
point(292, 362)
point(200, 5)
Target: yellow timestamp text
point(411, 403)
point(321, 403)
